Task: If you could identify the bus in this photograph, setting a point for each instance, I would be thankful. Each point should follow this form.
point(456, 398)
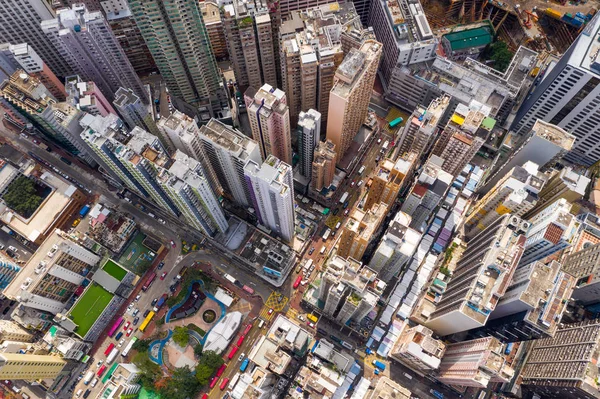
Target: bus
point(396, 122)
point(115, 326)
point(247, 330)
point(344, 197)
point(234, 380)
point(233, 352)
point(128, 347)
point(240, 340)
point(326, 234)
point(224, 383)
point(146, 321)
point(297, 282)
point(112, 356)
point(244, 365)
point(221, 370)
point(361, 170)
point(110, 348)
point(149, 281)
point(101, 370)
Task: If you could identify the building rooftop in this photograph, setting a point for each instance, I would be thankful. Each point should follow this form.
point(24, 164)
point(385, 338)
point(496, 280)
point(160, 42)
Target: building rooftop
point(62, 194)
point(408, 22)
point(269, 355)
point(327, 351)
point(389, 389)
point(545, 292)
point(474, 37)
point(569, 359)
point(42, 262)
point(125, 96)
point(586, 49)
point(554, 134)
point(355, 64)
point(222, 333)
point(26, 92)
point(288, 334)
point(228, 138)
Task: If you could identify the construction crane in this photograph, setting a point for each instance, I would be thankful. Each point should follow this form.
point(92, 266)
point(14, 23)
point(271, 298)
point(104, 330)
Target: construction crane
point(530, 17)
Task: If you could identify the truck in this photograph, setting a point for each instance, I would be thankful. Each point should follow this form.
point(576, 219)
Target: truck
point(113, 354)
point(385, 145)
point(88, 377)
point(347, 345)
point(326, 234)
point(379, 365)
point(161, 301)
point(84, 211)
point(344, 197)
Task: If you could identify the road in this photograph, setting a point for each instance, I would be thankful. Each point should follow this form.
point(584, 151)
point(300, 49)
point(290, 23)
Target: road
point(350, 185)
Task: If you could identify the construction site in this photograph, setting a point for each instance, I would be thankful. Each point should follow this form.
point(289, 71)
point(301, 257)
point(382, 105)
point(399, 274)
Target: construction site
point(545, 26)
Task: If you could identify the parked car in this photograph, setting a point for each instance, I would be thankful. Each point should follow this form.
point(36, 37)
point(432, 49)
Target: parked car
point(135, 321)
point(162, 276)
point(129, 332)
point(161, 265)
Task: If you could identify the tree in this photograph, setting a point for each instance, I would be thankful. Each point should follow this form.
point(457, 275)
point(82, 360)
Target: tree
point(183, 384)
point(198, 350)
point(21, 196)
point(149, 371)
point(499, 53)
point(181, 336)
point(203, 374)
point(211, 359)
point(141, 345)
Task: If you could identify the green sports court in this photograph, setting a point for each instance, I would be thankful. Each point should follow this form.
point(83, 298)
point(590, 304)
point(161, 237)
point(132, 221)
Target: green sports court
point(89, 307)
point(137, 257)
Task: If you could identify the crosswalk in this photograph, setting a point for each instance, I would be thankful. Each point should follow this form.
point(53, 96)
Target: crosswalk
point(277, 302)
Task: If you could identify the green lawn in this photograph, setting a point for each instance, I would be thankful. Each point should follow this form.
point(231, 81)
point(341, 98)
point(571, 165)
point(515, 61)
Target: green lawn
point(114, 270)
point(89, 307)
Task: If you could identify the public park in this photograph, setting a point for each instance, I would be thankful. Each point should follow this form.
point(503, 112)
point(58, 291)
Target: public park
point(184, 344)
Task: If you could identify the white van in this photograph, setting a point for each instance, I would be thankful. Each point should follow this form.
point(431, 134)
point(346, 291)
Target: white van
point(78, 394)
point(261, 323)
point(323, 248)
point(94, 382)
